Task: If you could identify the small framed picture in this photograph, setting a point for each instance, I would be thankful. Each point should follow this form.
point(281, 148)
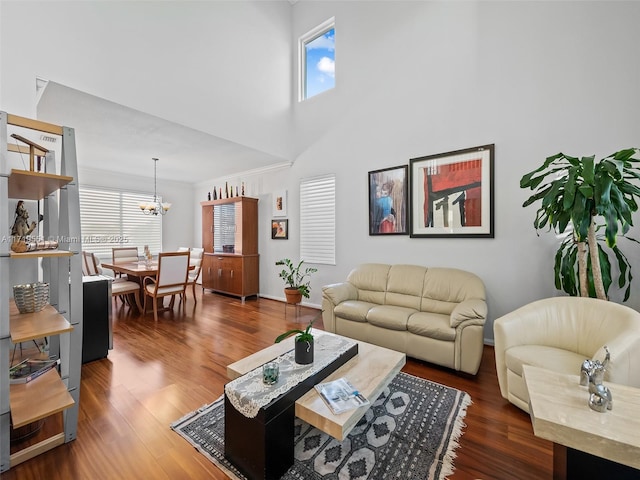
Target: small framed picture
point(388, 205)
point(452, 194)
point(280, 203)
point(280, 229)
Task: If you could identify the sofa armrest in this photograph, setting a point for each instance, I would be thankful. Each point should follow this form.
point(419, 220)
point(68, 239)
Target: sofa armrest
point(471, 309)
point(337, 293)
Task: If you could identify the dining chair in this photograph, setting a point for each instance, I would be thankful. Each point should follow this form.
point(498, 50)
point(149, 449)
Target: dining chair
point(171, 280)
point(90, 264)
point(124, 255)
point(196, 262)
point(123, 288)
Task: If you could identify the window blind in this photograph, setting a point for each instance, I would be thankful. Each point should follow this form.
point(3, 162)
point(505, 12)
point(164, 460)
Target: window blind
point(318, 220)
point(111, 219)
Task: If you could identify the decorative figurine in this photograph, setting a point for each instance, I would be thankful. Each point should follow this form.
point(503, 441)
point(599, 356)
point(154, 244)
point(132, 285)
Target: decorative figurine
point(593, 370)
point(243, 189)
point(592, 374)
point(215, 193)
point(21, 240)
point(209, 196)
point(600, 399)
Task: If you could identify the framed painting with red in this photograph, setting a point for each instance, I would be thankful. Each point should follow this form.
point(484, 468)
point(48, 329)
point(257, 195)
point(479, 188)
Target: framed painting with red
point(452, 194)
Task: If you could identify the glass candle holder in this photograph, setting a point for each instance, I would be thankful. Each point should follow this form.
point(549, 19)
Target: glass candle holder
point(270, 373)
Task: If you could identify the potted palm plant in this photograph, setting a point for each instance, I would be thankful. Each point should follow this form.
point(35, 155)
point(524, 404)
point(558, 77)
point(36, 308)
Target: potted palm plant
point(583, 197)
point(296, 279)
point(303, 343)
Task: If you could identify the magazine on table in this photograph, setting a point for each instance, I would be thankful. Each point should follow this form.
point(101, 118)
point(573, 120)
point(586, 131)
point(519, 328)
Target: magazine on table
point(30, 369)
point(340, 396)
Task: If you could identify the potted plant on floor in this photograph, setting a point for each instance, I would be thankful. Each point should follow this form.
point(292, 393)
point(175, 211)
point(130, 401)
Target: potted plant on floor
point(303, 343)
point(582, 196)
point(296, 280)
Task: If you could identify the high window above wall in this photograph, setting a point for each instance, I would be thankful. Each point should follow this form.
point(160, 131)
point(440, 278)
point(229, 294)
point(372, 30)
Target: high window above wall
point(317, 60)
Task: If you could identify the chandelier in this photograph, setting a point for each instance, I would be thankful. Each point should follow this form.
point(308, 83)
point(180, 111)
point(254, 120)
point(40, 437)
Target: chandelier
point(156, 207)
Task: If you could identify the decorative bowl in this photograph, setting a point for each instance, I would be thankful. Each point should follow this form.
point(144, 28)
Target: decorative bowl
point(31, 297)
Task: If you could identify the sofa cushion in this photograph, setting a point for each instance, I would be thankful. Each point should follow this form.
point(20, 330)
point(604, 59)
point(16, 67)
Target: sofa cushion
point(371, 281)
point(390, 316)
point(353, 310)
point(404, 286)
point(444, 288)
point(432, 325)
point(551, 358)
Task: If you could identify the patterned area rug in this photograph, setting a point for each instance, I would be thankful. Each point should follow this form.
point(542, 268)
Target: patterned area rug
point(410, 432)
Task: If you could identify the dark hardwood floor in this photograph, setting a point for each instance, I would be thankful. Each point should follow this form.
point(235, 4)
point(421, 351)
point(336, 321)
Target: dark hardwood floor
point(157, 372)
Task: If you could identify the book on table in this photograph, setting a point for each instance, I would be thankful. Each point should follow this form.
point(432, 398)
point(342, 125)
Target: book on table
point(340, 396)
point(30, 369)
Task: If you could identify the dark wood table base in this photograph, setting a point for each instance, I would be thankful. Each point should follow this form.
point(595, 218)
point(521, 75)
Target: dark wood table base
point(262, 447)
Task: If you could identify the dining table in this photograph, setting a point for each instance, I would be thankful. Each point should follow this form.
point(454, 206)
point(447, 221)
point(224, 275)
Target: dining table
point(136, 272)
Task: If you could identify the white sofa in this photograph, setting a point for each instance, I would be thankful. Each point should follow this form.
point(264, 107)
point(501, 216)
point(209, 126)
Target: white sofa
point(433, 314)
point(559, 334)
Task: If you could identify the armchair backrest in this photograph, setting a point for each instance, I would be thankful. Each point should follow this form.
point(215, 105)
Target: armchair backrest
point(124, 254)
point(173, 269)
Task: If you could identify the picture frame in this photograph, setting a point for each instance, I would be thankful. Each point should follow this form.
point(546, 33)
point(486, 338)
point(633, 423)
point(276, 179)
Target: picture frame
point(280, 203)
point(280, 229)
point(389, 201)
point(452, 194)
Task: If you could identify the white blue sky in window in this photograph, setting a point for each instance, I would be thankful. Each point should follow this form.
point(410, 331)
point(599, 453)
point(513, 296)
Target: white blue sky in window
point(320, 55)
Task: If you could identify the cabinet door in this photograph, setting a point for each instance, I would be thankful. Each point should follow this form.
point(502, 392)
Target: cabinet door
point(233, 275)
point(208, 272)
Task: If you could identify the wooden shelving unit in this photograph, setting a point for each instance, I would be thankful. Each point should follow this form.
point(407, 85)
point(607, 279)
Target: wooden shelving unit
point(60, 322)
point(31, 326)
point(232, 272)
point(28, 185)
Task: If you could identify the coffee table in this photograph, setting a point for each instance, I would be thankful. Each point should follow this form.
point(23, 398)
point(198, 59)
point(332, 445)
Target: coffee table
point(587, 444)
point(370, 371)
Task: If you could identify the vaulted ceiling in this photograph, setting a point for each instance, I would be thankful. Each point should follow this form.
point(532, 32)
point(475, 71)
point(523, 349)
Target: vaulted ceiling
point(120, 139)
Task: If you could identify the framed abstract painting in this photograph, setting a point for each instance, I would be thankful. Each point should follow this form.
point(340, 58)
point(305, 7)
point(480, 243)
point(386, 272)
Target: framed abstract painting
point(452, 194)
point(388, 201)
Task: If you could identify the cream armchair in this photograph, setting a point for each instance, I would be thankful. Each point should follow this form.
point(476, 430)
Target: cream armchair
point(559, 334)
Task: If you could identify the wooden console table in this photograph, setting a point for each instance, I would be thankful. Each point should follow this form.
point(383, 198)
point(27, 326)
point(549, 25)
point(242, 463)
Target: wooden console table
point(587, 444)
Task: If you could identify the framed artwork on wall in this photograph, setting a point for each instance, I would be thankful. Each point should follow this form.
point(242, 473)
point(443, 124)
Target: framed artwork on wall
point(280, 229)
point(452, 194)
point(388, 201)
point(280, 203)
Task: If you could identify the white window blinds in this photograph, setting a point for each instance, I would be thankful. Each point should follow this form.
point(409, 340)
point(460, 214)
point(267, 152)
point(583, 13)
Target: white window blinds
point(111, 219)
point(318, 220)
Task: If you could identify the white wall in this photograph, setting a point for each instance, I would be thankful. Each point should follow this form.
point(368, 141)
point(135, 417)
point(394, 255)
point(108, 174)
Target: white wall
point(218, 67)
point(419, 78)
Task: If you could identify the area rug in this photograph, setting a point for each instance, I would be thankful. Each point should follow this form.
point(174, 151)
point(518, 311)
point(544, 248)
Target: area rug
point(410, 432)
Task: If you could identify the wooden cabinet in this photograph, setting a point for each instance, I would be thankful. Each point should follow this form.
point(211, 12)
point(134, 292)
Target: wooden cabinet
point(22, 405)
point(230, 241)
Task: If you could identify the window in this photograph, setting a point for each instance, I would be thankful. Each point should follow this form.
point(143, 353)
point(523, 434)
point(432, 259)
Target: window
point(318, 220)
point(317, 60)
point(110, 219)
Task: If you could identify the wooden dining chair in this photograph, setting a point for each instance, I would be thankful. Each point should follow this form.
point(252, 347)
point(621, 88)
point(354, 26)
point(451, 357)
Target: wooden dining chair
point(171, 280)
point(124, 288)
point(195, 262)
point(90, 264)
point(124, 255)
